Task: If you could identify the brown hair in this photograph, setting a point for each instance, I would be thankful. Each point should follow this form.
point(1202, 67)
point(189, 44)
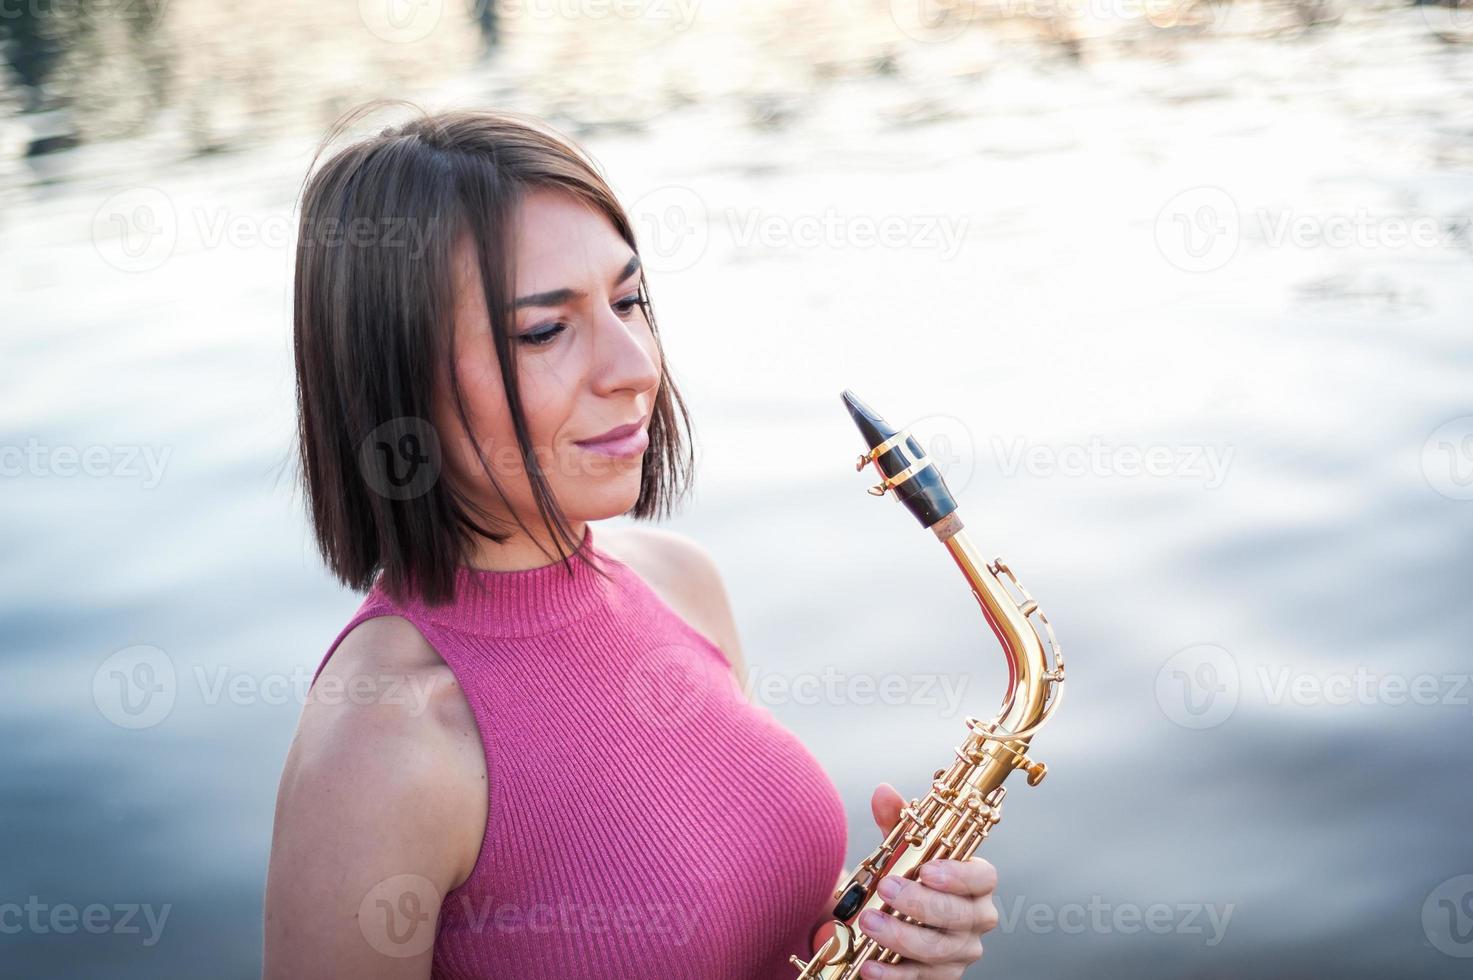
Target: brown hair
point(373, 331)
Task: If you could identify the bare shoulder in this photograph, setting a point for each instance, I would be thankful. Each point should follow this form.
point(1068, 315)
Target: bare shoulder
point(686, 576)
point(385, 777)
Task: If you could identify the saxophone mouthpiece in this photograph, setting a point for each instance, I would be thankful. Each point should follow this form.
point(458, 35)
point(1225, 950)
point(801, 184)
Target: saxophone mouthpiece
point(906, 468)
point(874, 429)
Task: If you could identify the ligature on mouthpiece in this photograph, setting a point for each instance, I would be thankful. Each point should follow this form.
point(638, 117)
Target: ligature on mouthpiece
point(903, 465)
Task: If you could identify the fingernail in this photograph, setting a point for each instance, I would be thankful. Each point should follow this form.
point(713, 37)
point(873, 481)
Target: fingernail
point(869, 920)
point(888, 887)
point(873, 971)
point(932, 875)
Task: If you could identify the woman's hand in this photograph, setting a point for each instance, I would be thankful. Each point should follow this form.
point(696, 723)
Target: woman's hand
point(953, 900)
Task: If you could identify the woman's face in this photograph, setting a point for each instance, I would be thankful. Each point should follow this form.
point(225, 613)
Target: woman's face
point(586, 363)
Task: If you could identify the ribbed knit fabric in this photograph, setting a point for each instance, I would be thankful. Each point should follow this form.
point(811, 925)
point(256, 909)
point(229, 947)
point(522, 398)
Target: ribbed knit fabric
point(645, 820)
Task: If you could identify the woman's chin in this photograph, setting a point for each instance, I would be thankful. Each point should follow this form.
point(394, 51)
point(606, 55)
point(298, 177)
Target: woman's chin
point(614, 498)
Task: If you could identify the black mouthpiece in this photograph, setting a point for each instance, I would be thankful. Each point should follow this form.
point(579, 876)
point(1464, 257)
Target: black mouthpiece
point(925, 494)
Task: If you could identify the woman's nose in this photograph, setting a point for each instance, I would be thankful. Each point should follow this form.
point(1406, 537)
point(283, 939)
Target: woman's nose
point(625, 353)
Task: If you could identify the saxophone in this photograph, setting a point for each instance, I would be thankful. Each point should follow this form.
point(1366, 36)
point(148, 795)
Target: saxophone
point(964, 802)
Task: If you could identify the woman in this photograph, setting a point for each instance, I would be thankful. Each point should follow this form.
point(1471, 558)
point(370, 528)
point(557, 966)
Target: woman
point(527, 755)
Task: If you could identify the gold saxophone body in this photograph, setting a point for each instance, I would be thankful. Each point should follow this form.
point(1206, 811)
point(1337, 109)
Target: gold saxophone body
point(963, 804)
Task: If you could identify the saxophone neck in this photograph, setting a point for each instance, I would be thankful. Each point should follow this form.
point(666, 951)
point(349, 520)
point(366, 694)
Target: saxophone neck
point(1035, 665)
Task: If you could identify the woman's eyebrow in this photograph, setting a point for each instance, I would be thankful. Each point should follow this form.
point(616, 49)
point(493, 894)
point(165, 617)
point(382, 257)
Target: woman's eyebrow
point(557, 297)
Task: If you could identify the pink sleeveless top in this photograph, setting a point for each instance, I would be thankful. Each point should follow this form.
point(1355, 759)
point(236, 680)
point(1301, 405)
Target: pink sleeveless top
point(645, 820)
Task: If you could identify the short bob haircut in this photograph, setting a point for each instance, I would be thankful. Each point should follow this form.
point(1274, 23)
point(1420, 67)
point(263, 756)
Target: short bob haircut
point(373, 337)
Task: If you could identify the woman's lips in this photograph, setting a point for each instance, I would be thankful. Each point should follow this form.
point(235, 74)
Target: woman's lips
point(620, 447)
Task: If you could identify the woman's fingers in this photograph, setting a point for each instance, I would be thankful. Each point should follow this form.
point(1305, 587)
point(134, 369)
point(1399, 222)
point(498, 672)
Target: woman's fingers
point(964, 913)
point(974, 876)
point(910, 971)
point(885, 804)
point(914, 942)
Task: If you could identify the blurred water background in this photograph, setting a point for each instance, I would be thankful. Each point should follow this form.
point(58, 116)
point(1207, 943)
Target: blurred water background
point(1180, 293)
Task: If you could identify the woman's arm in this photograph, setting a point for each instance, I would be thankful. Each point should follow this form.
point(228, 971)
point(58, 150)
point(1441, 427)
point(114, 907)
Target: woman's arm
point(381, 812)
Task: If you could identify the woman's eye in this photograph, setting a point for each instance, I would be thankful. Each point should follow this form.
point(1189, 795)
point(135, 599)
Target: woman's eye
point(542, 335)
point(628, 304)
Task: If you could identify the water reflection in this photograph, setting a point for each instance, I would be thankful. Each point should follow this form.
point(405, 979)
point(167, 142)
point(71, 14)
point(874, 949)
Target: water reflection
point(1059, 307)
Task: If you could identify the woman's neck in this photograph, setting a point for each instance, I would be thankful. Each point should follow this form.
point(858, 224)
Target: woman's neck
point(520, 551)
